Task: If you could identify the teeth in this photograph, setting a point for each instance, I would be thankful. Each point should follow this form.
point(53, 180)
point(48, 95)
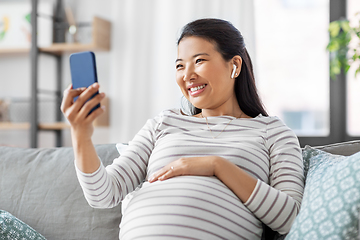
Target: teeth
point(197, 88)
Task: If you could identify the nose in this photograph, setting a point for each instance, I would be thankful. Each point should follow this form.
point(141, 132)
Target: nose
point(189, 74)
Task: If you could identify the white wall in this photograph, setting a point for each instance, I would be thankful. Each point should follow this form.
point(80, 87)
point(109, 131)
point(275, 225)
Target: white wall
point(144, 50)
point(15, 80)
point(138, 74)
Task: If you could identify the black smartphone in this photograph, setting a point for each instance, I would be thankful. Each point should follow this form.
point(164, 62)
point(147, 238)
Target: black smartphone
point(83, 71)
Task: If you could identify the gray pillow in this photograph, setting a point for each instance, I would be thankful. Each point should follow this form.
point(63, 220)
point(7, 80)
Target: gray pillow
point(40, 187)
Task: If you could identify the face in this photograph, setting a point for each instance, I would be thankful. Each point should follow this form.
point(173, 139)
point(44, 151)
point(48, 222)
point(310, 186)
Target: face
point(203, 75)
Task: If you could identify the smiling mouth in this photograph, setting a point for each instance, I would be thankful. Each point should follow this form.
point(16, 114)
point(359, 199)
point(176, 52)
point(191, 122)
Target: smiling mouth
point(193, 89)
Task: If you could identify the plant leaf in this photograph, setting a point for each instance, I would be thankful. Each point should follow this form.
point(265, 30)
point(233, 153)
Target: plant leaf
point(334, 28)
point(2, 35)
point(335, 67)
point(28, 17)
point(333, 46)
point(345, 26)
point(357, 71)
point(346, 68)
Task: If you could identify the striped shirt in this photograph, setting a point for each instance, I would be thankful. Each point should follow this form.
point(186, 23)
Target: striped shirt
point(198, 207)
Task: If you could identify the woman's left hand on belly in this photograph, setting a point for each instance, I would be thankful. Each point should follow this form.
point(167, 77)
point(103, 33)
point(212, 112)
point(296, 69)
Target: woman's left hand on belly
point(199, 166)
point(235, 178)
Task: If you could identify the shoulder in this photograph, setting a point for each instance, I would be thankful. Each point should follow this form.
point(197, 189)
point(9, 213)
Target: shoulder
point(276, 128)
point(168, 115)
point(279, 132)
point(171, 112)
point(270, 120)
point(267, 123)
point(273, 123)
point(154, 125)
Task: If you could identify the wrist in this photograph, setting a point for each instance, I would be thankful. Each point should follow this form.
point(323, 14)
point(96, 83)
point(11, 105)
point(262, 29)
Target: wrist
point(217, 163)
point(79, 139)
point(79, 134)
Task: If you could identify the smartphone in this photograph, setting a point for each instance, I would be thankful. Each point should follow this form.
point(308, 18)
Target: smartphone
point(83, 72)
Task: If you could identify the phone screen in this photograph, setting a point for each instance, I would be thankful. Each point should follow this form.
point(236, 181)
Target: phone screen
point(83, 71)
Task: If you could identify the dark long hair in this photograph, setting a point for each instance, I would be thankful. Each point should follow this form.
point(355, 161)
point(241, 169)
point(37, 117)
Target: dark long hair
point(229, 42)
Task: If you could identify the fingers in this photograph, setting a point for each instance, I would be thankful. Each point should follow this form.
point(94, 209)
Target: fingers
point(164, 173)
point(67, 100)
point(78, 111)
point(85, 95)
point(89, 105)
point(68, 97)
point(168, 174)
point(196, 166)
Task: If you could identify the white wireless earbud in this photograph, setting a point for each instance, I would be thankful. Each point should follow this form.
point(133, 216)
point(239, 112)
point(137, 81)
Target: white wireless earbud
point(233, 72)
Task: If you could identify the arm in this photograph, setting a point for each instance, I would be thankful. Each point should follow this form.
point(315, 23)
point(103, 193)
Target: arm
point(82, 124)
point(106, 187)
point(87, 162)
point(278, 202)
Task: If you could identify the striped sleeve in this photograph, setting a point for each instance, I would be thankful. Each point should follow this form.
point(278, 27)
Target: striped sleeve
point(276, 204)
point(107, 186)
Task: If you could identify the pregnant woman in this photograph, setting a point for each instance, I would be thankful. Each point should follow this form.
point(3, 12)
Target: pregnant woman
point(220, 171)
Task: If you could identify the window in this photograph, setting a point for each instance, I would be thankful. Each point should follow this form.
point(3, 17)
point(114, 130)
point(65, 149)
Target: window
point(292, 63)
point(292, 69)
point(353, 85)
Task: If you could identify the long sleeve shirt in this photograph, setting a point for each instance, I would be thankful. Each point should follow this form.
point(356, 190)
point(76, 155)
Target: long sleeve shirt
point(198, 207)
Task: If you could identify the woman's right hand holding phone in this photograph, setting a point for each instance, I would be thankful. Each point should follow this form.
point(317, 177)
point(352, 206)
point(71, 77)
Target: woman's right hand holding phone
point(77, 113)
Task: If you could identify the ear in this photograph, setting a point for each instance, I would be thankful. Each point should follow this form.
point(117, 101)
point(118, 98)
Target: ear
point(237, 61)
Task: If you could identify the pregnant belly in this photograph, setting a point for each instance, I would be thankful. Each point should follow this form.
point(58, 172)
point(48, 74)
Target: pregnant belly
point(188, 207)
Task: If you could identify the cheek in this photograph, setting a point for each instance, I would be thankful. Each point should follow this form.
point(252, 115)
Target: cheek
point(179, 81)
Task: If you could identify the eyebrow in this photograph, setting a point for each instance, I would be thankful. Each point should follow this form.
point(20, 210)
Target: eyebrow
point(196, 55)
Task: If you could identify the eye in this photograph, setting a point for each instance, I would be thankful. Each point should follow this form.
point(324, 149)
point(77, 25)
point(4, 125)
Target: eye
point(199, 60)
point(178, 66)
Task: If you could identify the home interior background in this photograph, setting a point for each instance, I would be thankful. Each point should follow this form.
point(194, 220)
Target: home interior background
point(138, 72)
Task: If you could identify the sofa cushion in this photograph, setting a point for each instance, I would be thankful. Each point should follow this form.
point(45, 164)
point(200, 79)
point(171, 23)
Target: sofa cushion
point(40, 187)
point(13, 228)
point(331, 202)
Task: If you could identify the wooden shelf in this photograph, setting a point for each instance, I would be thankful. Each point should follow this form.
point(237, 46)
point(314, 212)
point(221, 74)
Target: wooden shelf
point(14, 126)
point(101, 32)
point(12, 51)
point(26, 126)
point(100, 41)
point(53, 126)
point(60, 48)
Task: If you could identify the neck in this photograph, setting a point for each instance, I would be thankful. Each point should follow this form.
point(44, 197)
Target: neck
point(230, 107)
point(210, 113)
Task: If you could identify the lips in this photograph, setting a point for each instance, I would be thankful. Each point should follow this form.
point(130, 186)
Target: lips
point(196, 90)
point(193, 89)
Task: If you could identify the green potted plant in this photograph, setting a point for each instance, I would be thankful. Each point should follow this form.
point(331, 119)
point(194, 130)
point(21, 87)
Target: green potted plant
point(344, 47)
